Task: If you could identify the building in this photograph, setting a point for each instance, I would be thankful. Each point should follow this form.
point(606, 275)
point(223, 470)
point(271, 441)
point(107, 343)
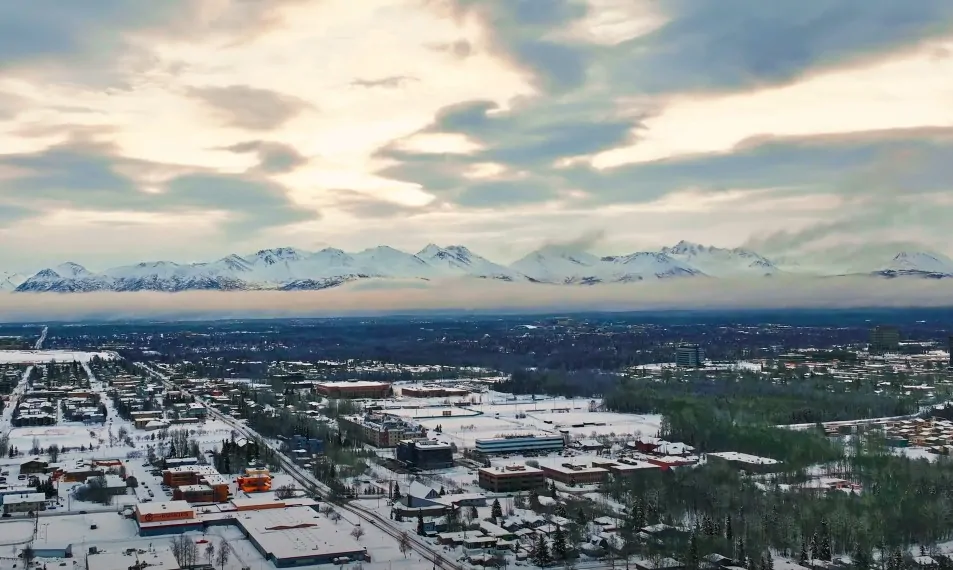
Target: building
point(432, 392)
point(425, 454)
point(298, 536)
point(310, 445)
point(745, 462)
point(117, 560)
point(520, 444)
point(884, 338)
point(167, 517)
point(379, 430)
point(255, 480)
point(194, 494)
point(512, 478)
point(572, 474)
point(353, 389)
point(689, 356)
point(24, 503)
point(186, 475)
point(33, 465)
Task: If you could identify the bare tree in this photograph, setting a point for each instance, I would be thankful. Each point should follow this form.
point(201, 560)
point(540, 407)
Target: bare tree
point(285, 491)
point(357, 532)
point(223, 552)
point(335, 516)
point(28, 555)
point(54, 453)
point(35, 446)
point(210, 552)
point(404, 543)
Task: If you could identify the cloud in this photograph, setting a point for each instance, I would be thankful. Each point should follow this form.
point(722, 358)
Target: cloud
point(91, 176)
point(585, 241)
point(737, 43)
point(403, 297)
point(249, 107)
point(274, 157)
point(390, 82)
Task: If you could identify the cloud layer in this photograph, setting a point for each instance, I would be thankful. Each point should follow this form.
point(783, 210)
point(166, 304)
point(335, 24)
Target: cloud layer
point(134, 130)
point(394, 297)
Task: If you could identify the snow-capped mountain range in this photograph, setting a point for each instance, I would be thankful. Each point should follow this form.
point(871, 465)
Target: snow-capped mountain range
point(289, 269)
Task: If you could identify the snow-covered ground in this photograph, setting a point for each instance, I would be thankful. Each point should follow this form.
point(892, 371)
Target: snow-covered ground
point(40, 356)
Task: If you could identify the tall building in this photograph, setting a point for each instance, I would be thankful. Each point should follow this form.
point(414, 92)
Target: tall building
point(425, 454)
point(884, 338)
point(689, 356)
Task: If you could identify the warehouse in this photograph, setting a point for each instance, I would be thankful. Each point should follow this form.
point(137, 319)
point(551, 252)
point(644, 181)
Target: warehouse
point(353, 389)
point(169, 517)
point(297, 536)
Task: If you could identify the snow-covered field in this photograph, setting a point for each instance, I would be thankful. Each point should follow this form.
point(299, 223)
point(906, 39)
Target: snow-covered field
point(40, 356)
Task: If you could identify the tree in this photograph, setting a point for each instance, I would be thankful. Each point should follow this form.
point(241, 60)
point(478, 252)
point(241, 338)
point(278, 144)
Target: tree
point(472, 515)
point(184, 550)
point(560, 548)
point(285, 491)
point(540, 553)
point(210, 552)
point(357, 532)
point(35, 446)
point(740, 553)
point(223, 553)
point(28, 554)
point(420, 523)
point(803, 558)
point(442, 491)
point(54, 453)
point(396, 493)
point(132, 482)
point(404, 543)
point(692, 560)
point(496, 510)
point(552, 489)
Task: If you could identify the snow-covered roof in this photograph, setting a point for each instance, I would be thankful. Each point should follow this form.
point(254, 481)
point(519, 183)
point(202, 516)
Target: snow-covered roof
point(297, 532)
point(24, 498)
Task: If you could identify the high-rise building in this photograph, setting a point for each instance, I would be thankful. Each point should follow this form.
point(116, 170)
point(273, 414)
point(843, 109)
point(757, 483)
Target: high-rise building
point(689, 356)
point(884, 338)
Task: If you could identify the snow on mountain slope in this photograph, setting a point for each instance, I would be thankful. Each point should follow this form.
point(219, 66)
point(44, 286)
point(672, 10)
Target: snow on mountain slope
point(286, 268)
point(554, 264)
point(646, 265)
point(457, 260)
point(720, 262)
point(918, 263)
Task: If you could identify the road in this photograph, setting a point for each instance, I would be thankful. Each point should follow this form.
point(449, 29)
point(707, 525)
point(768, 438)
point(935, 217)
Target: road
point(41, 340)
point(309, 482)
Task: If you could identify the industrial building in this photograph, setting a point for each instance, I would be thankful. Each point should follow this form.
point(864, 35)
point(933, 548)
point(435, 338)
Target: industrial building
point(195, 476)
point(520, 444)
point(425, 454)
point(432, 392)
point(298, 536)
point(353, 389)
point(745, 462)
point(512, 478)
point(167, 517)
point(689, 356)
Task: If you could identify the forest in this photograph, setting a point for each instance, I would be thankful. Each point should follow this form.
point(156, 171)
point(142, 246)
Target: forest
point(901, 503)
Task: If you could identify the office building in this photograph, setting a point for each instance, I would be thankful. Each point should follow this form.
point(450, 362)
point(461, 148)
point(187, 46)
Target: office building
point(512, 478)
point(379, 430)
point(424, 454)
point(689, 356)
point(572, 474)
point(884, 338)
point(520, 444)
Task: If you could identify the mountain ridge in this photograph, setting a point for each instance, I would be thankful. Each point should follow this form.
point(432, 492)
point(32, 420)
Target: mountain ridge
point(292, 269)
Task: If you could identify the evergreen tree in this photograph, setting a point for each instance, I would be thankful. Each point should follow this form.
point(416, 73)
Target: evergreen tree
point(560, 548)
point(396, 493)
point(496, 510)
point(729, 535)
point(692, 560)
point(740, 553)
point(552, 489)
point(825, 544)
point(540, 553)
point(560, 511)
point(420, 524)
point(861, 557)
point(803, 558)
point(442, 491)
point(815, 547)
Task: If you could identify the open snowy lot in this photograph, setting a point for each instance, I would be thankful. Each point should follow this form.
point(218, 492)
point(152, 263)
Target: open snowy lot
point(39, 356)
point(599, 423)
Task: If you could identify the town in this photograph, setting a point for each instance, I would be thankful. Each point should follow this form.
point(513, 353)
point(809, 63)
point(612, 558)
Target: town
point(273, 444)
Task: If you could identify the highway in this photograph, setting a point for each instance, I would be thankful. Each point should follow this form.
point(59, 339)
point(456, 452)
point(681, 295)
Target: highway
point(41, 340)
point(308, 482)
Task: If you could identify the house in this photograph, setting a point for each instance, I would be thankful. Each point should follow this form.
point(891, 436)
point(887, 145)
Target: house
point(420, 495)
point(24, 503)
point(33, 465)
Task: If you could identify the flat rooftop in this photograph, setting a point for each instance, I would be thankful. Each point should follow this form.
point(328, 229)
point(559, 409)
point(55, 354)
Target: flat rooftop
point(297, 532)
point(164, 507)
point(744, 458)
point(159, 557)
point(352, 384)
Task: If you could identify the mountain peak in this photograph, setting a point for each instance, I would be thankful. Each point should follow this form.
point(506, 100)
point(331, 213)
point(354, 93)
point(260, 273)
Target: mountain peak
point(430, 250)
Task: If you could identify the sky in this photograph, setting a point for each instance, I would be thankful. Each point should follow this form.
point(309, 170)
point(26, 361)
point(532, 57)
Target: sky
point(186, 130)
